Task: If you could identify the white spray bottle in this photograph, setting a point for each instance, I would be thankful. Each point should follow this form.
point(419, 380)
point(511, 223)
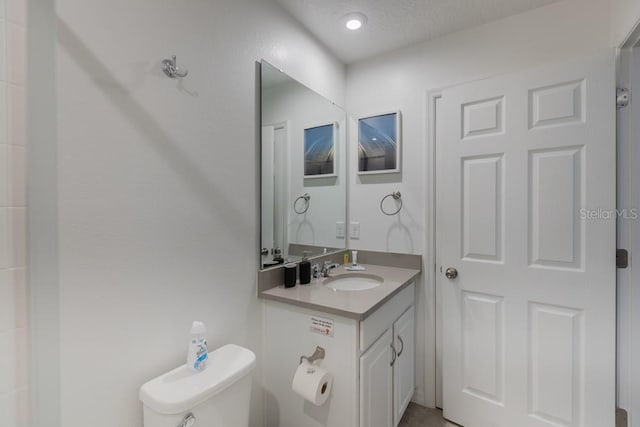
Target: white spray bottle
point(198, 353)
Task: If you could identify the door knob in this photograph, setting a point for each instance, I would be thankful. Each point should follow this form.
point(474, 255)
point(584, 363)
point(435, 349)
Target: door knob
point(451, 273)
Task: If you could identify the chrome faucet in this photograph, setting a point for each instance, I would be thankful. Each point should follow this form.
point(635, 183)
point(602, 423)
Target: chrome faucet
point(327, 267)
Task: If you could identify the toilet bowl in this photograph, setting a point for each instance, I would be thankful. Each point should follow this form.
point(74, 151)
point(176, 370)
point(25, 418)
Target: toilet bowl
point(219, 396)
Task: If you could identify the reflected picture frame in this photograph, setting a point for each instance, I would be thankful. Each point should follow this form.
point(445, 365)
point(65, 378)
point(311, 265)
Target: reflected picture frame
point(320, 150)
point(379, 143)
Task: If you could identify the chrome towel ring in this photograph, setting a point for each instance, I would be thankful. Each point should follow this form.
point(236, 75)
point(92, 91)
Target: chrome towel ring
point(306, 197)
point(396, 196)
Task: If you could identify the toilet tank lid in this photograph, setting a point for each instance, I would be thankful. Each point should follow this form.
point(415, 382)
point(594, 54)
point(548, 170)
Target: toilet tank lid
point(182, 389)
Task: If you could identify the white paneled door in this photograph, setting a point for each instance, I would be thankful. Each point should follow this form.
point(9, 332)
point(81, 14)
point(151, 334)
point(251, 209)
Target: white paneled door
point(525, 192)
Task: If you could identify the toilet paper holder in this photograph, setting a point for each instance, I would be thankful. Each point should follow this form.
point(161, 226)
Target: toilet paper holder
point(317, 355)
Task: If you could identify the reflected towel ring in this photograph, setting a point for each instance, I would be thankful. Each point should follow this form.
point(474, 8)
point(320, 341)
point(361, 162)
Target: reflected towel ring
point(396, 196)
point(306, 197)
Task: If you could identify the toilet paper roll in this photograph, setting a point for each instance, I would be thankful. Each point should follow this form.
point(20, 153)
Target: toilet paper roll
point(312, 382)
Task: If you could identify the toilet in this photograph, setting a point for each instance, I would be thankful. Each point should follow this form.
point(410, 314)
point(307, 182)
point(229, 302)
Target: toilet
point(219, 396)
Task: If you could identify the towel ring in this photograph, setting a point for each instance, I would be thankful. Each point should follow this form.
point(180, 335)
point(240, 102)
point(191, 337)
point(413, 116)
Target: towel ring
point(306, 197)
point(396, 196)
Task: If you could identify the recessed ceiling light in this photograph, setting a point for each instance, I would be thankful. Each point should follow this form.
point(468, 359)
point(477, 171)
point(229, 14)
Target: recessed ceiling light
point(354, 24)
point(355, 21)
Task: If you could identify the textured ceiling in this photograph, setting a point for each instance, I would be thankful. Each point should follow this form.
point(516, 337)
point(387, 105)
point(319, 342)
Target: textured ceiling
point(396, 23)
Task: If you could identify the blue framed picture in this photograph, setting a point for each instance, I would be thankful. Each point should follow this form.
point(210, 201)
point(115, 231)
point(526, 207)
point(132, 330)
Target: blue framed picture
point(379, 143)
point(319, 151)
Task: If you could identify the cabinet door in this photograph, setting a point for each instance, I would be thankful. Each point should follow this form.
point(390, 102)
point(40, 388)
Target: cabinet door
point(404, 366)
point(376, 384)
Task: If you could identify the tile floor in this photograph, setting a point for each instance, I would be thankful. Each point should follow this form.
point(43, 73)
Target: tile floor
point(419, 416)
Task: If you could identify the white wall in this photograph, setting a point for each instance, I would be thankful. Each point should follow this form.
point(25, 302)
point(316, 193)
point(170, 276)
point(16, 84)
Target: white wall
point(14, 350)
point(629, 238)
point(301, 108)
point(401, 80)
point(625, 14)
point(153, 218)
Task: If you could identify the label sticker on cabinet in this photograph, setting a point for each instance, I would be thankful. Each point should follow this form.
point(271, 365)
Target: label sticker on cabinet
point(322, 326)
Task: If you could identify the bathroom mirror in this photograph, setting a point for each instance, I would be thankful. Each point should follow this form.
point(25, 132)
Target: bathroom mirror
point(303, 170)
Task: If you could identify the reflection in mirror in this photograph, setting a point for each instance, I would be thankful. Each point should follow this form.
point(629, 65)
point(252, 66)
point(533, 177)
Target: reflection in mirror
point(303, 180)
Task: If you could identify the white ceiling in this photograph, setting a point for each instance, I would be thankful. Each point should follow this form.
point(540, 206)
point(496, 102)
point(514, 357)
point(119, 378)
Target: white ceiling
point(396, 23)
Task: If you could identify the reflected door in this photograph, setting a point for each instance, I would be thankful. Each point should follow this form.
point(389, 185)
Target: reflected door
point(274, 190)
point(524, 162)
point(267, 190)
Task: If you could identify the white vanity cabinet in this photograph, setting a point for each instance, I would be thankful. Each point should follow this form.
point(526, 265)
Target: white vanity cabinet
point(371, 357)
point(387, 367)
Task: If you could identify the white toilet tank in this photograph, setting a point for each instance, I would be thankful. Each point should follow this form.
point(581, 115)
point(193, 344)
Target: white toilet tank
point(219, 396)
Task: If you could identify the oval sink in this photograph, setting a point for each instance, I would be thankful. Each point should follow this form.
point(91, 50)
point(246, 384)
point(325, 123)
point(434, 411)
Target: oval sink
point(353, 282)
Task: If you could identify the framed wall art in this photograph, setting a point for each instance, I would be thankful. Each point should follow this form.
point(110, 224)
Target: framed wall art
point(319, 151)
point(379, 143)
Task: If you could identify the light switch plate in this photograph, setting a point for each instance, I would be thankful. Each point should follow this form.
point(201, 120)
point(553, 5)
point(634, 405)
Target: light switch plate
point(354, 230)
point(340, 229)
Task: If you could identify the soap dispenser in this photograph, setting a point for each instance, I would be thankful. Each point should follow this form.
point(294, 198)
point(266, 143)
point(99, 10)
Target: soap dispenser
point(305, 269)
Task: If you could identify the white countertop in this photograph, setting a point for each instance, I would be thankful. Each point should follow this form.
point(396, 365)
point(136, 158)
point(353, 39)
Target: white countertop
point(352, 304)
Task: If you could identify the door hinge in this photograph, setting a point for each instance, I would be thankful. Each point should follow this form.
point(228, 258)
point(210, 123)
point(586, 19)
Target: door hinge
point(622, 420)
point(623, 97)
point(622, 258)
